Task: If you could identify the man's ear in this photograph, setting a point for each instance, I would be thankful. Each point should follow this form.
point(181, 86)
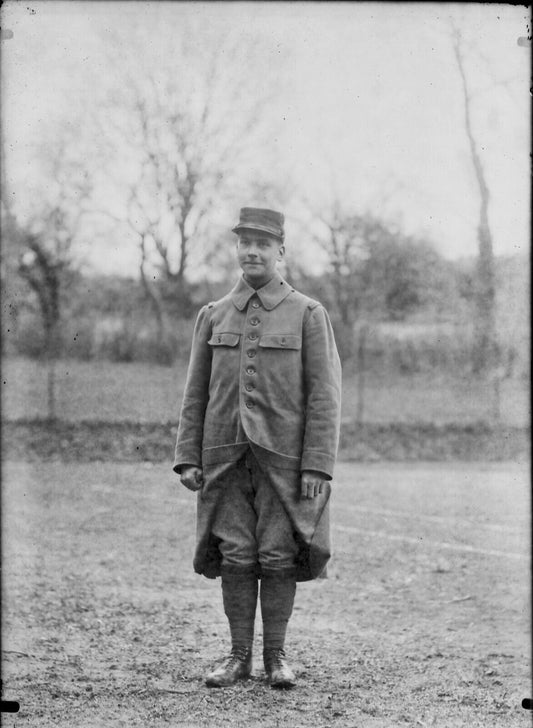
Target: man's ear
point(281, 252)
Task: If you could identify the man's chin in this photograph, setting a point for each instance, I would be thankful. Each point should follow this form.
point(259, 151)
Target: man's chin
point(253, 269)
point(256, 278)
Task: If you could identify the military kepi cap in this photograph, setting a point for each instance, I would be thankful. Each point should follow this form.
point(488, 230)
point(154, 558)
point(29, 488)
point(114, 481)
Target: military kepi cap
point(257, 218)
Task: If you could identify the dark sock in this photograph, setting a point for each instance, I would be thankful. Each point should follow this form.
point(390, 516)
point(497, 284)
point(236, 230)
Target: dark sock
point(239, 595)
point(277, 600)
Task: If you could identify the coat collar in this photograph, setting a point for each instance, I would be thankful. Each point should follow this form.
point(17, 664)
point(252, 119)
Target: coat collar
point(270, 295)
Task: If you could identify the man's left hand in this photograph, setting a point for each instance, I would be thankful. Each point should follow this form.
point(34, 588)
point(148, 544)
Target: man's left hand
point(312, 483)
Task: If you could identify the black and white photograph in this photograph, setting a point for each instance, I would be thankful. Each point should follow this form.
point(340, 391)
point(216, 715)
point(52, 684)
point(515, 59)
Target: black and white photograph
point(266, 347)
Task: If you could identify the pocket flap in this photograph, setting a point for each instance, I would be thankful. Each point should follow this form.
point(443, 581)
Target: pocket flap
point(224, 339)
point(281, 341)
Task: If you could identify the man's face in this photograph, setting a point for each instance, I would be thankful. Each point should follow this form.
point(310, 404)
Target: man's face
point(258, 254)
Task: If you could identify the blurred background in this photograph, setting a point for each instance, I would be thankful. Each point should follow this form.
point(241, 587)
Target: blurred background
point(394, 137)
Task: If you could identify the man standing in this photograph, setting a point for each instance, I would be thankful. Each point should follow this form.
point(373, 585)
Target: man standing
point(257, 438)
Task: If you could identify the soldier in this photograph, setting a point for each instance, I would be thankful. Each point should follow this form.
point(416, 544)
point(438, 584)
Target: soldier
point(257, 438)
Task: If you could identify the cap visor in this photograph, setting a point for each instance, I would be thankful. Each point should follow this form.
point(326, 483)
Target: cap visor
point(261, 228)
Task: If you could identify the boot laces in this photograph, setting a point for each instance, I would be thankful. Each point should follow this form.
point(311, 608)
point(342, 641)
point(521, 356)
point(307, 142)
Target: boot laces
point(238, 654)
point(275, 657)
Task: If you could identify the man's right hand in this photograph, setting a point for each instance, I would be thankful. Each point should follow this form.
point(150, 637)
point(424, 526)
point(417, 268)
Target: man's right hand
point(192, 477)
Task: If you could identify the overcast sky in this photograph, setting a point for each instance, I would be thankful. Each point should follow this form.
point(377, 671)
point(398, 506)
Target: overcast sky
point(372, 107)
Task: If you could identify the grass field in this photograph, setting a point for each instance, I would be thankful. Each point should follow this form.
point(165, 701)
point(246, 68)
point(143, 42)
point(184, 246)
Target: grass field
point(149, 393)
point(423, 621)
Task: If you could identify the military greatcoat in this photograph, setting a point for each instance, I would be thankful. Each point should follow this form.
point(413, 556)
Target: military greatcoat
point(264, 373)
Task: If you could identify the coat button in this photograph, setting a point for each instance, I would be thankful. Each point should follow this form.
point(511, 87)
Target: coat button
point(249, 387)
point(251, 353)
point(219, 339)
point(249, 404)
point(255, 304)
point(254, 321)
point(252, 337)
point(250, 370)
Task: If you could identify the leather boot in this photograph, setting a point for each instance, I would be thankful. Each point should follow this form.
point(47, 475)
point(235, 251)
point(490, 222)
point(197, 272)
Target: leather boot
point(279, 674)
point(238, 666)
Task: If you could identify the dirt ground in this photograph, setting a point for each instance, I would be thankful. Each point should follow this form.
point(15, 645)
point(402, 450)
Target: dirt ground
point(423, 621)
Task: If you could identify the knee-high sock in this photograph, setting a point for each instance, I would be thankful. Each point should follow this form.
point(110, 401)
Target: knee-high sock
point(277, 600)
point(239, 595)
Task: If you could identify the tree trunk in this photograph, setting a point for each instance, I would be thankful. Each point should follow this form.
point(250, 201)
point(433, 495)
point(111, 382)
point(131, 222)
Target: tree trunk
point(52, 350)
point(361, 371)
point(153, 297)
point(157, 308)
point(51, 390)
point(496, 397)
point(484, 354)
point(484, 351)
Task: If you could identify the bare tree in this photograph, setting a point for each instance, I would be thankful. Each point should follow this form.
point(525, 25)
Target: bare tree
point(11, 298)
point(375, 268)
point(178, 134)
point(346, 243)
point(485, 292)
point(375, 272)
point(43, 273)
point(46, 240)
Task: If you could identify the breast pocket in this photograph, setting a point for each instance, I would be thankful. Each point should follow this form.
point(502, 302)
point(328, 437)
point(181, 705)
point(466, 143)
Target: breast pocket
point(224, 338)
point(281, 341)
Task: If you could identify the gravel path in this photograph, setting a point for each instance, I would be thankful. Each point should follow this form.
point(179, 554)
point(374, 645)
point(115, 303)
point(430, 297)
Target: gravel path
point(423, 621)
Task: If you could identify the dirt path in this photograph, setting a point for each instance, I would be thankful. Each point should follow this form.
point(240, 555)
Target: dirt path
point(423, 621)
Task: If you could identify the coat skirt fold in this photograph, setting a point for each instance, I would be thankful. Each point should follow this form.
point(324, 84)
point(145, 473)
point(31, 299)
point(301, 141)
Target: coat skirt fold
point(309, 517)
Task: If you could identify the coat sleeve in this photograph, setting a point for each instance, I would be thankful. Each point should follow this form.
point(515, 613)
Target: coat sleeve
point(195, 396)
point(322, 373)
